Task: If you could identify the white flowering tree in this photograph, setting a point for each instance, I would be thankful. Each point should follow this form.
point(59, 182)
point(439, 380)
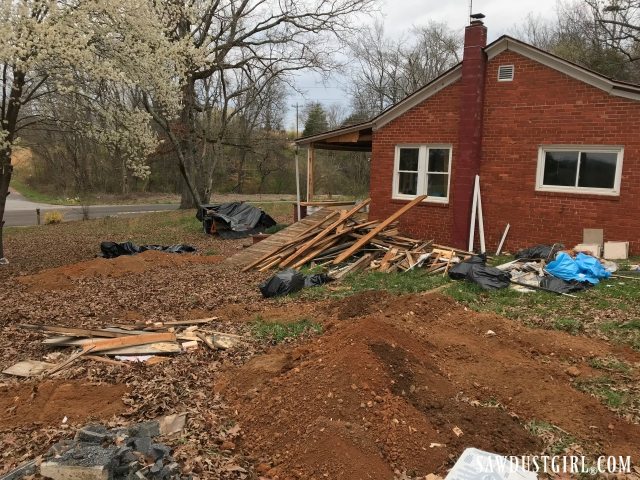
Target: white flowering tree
point(96, 55)
point(236, 45)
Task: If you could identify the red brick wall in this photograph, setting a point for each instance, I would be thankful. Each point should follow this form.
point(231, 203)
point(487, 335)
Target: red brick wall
point(541, 106)
point(433, 121)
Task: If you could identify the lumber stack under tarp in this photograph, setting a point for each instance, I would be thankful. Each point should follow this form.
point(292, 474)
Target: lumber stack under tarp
point(343, 244)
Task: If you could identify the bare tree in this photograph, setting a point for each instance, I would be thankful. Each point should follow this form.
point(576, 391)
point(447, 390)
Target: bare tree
point(261, 39)
point(388, 70)
point(620, 19)
point(579, 34)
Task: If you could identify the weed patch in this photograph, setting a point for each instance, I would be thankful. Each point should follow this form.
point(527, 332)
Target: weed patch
point(276, 332)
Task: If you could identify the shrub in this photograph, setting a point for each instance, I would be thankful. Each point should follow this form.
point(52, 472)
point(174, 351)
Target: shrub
point(53, 217)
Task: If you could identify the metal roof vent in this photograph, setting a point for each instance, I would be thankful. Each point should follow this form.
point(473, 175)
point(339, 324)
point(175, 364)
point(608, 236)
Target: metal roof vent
point(505, 73)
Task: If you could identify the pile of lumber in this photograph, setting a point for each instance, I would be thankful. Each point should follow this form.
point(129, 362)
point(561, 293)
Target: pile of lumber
point(344, 243)
point(142, 343)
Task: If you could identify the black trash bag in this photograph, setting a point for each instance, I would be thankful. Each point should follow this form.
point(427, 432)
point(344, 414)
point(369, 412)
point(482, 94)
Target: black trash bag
point(476, 270)
point(177, 248)
point(234, 219)
point(559, 285)
point(113, 249)
point(489, 278)
point(540, 252)
point(460, 270)
point(283, 283)
point(317, 280)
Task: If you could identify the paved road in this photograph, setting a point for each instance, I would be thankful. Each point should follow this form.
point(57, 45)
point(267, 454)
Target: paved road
point(21, 212)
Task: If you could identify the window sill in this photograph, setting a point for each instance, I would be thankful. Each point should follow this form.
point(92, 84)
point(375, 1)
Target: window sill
point(612, 197)
point(582, 193)
point(425, 202)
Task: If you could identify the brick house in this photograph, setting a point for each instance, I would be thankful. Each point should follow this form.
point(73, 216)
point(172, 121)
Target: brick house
point(556, 146)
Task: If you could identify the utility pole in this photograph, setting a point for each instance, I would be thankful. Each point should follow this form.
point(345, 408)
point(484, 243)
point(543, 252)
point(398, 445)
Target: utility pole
point(470, 9)
point(297, 166)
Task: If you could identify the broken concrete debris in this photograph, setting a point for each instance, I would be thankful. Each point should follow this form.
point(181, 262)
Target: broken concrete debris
point(99, 453)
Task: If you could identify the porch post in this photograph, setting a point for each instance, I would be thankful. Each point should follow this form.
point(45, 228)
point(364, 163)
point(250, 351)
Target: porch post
point(311, 154)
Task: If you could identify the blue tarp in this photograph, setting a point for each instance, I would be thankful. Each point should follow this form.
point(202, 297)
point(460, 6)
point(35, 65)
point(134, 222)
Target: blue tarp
point(584, 268)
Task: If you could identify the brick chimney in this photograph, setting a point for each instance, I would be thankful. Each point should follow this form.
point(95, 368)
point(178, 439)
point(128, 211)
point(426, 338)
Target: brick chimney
point(467, 166)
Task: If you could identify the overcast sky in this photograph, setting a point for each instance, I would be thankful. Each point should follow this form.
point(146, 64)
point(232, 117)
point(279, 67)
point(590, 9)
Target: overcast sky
point(399, 16)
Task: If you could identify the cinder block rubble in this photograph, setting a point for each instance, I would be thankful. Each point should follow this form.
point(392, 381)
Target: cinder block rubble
point(99, 453)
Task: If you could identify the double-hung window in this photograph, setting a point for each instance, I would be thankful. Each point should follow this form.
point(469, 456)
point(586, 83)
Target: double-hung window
point(422, 170)
point(580, 169)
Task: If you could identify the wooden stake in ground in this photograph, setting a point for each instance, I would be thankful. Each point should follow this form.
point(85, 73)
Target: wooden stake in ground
point(381, 226)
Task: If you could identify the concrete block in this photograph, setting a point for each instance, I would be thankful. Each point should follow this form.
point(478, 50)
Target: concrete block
point(591, 248)
point(145, 429)
point(59, 471)
point(616, 250)
point(593, 235)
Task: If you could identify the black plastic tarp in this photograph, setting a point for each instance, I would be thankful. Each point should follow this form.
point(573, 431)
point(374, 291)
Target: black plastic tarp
point(476, 270)
point(290, 281)
point(540, 252)
point(234, 219)
point(113, 249)
point(559, 285)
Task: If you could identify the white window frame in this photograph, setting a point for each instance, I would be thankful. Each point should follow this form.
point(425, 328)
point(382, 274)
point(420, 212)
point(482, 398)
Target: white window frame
point(423, 157)
point(615, 191)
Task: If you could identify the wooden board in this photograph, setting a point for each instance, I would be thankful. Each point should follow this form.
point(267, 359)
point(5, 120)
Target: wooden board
point(324, 233)
point(28, 368)
point(381, 226)
point(77, 332)
point(261, 249)
point(150, 349)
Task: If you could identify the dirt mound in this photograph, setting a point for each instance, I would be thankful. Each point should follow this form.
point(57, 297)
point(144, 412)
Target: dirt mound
point(49, 402)
point(387, 392)
point(358, 305)
point(61, 277)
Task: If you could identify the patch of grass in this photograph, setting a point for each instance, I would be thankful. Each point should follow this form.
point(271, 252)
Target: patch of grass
point(277, 332)
point(556, 440)
point(596, 306)
point(568, 324)
point(39, 197)
point(609, 363)
point(603, 387)
point(395, 282)
point(187, 222)
point(278, 210)
point(276, 228)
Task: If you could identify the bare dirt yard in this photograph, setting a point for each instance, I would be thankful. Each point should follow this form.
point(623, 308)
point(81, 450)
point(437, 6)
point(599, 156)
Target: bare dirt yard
point(372, 378)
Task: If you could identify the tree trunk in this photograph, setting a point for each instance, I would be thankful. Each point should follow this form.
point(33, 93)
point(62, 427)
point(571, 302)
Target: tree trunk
point(6, 169)
point(186, 198)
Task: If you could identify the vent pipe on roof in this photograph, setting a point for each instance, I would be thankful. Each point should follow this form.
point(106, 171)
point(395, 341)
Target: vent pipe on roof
point(467, 160)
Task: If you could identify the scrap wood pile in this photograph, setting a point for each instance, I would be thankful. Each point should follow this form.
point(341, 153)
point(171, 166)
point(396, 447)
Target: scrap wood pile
point(344, 243)
point(150, 343)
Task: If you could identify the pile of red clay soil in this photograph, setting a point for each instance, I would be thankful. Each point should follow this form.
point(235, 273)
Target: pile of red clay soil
point(61, 277)
point(411, 384)
point(48, 403)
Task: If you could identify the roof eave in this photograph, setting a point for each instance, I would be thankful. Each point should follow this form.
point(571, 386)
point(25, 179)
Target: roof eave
point(612, 87)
